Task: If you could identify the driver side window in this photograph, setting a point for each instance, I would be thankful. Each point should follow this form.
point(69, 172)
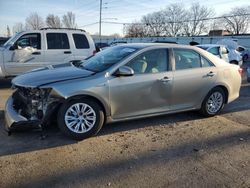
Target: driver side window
point(153, 61)
point(30, 40)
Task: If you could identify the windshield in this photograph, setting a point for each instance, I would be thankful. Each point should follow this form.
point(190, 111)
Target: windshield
point(106, 58)
point(11, 40)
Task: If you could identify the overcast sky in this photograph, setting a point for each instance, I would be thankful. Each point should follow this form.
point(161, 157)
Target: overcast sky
point(87, 11)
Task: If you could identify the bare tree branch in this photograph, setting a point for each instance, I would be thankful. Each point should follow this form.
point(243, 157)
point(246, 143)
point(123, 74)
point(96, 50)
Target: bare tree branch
point(198, 15)
point(18, 27)
point(174, 15)
point(237, 20)
point(69, 20)
point(34, 21)
point(135, 30)
point(53, 21)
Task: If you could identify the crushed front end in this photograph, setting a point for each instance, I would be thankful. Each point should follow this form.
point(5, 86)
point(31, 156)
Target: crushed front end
point(29, 108)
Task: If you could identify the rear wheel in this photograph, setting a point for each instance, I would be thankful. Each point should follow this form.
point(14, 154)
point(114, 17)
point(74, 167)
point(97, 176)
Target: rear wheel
point(80, 118)
point(213, 103)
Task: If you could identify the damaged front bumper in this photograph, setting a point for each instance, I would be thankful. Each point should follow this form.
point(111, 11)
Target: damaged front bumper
point(15, 121)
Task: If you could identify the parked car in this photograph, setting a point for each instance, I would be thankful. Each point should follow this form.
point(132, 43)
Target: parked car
point(115, 43)
point(244, 52)
point(234, 56)
point(121, 83)
point(3, 40)
point(218, 50)
point(165, 41)
point(34, 49)
point(221, 51)
point(101, 45)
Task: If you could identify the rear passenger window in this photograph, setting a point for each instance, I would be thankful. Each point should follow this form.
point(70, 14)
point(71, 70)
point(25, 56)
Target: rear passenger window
point(214, 50)
point(57, 41)
point(186, 59)
point(205, 62)
point(81, 41)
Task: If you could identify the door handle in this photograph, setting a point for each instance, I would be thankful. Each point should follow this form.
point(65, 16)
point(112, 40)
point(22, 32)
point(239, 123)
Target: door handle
point(67, 52)
point(36, 53)
point(165, 79)
point(210, 74)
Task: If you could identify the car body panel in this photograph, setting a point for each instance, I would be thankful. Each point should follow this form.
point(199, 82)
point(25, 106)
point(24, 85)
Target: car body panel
point(192, 82)
point(36, 78)
point(138, 95)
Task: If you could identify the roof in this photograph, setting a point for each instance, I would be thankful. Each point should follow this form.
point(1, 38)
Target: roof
point(210, 45)
point(167, 45)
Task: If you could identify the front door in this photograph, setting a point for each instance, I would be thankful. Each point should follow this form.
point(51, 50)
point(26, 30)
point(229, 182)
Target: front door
point(148, 91)
point(25, 55)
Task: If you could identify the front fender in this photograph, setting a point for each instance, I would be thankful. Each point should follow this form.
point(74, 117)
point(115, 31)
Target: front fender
point(99, 93)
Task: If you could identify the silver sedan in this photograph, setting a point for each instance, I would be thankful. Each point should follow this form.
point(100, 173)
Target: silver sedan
point(121, 83)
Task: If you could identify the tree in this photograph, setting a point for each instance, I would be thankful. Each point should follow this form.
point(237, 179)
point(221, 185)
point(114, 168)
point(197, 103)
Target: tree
point(8, 31)
point(135, 30)
point(174, 15)
point(115, 35)
point(237, 20)
point(196, 21)
point(34, 21)
point(53, 21)
point(69, 20)
point(154, 24)
point(18, 27)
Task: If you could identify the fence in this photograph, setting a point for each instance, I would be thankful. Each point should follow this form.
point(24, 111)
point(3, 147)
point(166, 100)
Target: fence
point(243, 40)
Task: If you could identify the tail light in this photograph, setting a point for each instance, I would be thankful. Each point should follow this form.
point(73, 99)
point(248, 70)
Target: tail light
point(240, 70)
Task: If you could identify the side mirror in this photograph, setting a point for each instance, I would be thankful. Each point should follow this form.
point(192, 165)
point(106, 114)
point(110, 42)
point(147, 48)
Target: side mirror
point(124, 71)
point(14, 47)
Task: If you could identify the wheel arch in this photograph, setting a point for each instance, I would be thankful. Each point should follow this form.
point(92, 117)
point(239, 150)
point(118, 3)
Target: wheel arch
point(85, 96)
point(225, 89)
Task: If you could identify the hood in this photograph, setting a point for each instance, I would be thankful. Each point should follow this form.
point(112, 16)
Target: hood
point(50, 74)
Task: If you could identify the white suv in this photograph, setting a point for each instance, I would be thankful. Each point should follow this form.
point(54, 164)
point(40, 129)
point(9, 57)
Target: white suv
point(34, 49)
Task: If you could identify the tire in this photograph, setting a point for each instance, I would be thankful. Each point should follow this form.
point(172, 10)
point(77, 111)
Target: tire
point(209, 107)
point(234, 62)
point(80, 118)
point(248, 79)
point(245, 57)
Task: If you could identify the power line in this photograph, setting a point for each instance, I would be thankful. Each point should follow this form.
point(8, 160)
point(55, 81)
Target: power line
point(184, 21)
point(90, 24)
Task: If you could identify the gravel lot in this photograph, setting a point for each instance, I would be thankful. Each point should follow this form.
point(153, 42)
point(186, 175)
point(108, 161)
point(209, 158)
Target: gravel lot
point(180, 150)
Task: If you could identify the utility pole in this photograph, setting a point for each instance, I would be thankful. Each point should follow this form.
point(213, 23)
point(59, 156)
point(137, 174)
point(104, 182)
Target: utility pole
point(100, 22)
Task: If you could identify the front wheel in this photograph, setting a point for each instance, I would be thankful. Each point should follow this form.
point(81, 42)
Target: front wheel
point(213, 102)
point(80, 118)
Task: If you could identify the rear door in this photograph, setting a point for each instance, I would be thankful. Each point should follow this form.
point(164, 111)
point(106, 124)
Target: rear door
point(58, 49)
point(81, 46)
point(194, 76)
